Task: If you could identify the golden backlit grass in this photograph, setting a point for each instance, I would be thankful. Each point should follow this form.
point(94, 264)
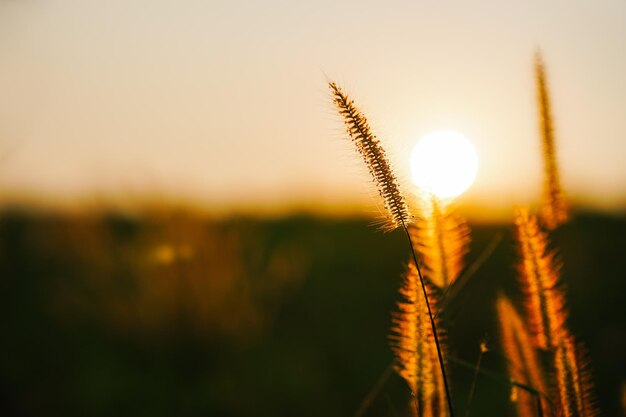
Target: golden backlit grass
point(559, 386)
point(539, 278)
point(441, 236)
point(523, 361)
point(554, 208)
point(386, 182)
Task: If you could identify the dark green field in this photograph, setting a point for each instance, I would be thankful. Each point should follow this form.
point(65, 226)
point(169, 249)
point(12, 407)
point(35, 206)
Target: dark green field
point(176, 315)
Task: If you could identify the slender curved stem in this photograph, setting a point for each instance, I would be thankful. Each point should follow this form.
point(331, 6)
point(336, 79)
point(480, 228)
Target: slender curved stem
point(455, 288)
point(533, 391)
point(470, 396)
point(432, 321)
point(382, 379)
point(490, 374)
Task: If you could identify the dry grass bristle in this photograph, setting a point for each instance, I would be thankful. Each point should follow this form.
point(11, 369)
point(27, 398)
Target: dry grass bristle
point(539, 277)
point(554, 210)
point(415, 351)
point(374, 156)
point(442, 239)
point(522, 360)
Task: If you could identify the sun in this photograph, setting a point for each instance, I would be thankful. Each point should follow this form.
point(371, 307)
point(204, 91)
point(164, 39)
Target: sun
point(444, 163)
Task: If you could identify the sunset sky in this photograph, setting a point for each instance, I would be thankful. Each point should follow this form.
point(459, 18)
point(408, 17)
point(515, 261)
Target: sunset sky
point(226, 102)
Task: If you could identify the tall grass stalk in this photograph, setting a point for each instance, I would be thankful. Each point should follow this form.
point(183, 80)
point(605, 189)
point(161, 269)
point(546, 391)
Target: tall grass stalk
point(375, 158)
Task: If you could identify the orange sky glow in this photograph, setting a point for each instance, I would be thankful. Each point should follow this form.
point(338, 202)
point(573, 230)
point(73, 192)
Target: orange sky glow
point(225, 104)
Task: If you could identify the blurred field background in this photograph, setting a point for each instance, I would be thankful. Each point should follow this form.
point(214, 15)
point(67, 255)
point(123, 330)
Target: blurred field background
point(172, 313)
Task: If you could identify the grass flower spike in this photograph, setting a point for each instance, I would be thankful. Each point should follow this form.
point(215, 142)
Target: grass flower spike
point(411, 337)
point(442, 239)
point(539, 275)
point(522, 359)
point(375, 159)
point(573, 381)
point(374, 156)
point(554, 207)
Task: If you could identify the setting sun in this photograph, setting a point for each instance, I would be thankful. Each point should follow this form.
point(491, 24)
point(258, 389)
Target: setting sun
point(444, 163)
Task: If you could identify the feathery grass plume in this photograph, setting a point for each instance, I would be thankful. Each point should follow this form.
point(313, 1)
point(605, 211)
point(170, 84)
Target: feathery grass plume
point(413, 345)
point(573, 381)
point(545, 306)
point(442, 238)
point(539, 277)
point(554, 207)
point(522, 360)
point(374, 156)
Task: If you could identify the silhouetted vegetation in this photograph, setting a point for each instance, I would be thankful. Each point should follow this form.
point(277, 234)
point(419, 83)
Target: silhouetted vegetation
point(175, 314)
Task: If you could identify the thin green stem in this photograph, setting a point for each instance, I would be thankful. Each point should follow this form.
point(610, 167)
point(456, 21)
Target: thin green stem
point(371, 395)
point(470, 396)
point(500, 378)
point(454, 289)
point(490, 374)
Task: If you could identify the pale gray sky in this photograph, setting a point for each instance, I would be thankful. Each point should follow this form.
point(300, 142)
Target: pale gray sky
point(226, 102)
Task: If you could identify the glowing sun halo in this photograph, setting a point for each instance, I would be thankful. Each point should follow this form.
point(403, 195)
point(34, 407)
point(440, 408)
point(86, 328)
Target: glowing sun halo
point(444, 163)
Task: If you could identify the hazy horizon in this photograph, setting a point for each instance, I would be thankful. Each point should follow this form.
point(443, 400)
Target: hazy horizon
point(226, 104)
